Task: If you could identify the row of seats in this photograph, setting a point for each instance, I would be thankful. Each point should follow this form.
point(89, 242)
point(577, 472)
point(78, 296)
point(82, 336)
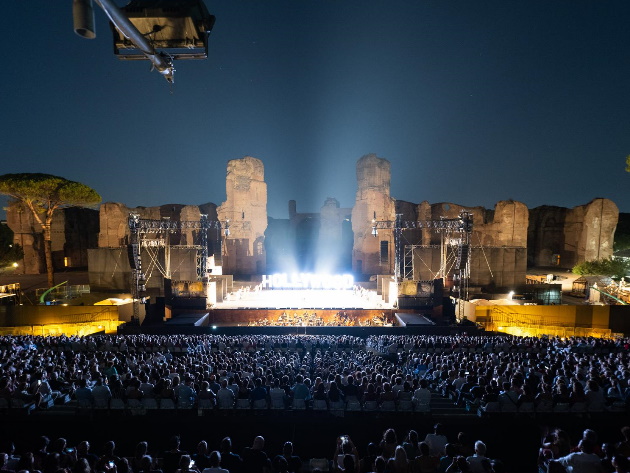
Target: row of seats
point(135, 406)
point(546, 408)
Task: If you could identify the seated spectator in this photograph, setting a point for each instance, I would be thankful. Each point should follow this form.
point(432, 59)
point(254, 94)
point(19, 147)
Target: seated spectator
point(140, 452)
point(344, 451)
point(387, 395)
point(425, 462)
point(255, 459)
point(83, 452)
point(450, 453)
point(459, 465)
point(366, 463)
point(300, 390)
point(595, 400)
point(370, 394)
point(206, 393)
point(202, 457)
point(388, 444)
point(584, 461)
point(230, 460)
point(147, 465)
point(476, 461)
point(422, 395)
point(171, 457)
point(225, 396)
point(293, 462)
point(334, 393)
point(436, 441)
point(259, 393)
point(215, 464)
point(81, 466)
point(186, 465)
point(412, 445)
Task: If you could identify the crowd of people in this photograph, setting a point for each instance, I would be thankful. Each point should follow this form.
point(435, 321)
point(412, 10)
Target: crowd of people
point(431, 453)
point(282, 368)
point(271, 369)
point(434, 452)
point(341, 318)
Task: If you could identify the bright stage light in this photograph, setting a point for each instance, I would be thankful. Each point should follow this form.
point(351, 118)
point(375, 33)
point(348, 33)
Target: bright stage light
point(307, 281)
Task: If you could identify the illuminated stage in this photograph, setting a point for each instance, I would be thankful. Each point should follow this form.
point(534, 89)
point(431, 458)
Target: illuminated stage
point(247, 297)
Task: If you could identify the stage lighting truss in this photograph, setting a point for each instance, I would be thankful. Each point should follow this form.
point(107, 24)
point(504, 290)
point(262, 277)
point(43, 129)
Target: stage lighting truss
point(462, 226)
point(152, 234)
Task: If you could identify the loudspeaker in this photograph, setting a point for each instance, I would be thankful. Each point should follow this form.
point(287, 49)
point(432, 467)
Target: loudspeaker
point(462, 256)
point(134, 262)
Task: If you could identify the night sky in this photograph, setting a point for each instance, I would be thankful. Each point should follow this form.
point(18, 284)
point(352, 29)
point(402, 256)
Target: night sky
point(472, 102)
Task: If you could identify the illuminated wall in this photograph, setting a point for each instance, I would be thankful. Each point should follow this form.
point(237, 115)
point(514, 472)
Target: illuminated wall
point(60, 320)
point(558, 320)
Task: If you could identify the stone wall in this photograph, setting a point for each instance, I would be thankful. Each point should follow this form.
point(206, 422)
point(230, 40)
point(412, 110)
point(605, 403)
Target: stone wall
point(565, 237)
point(498, 254)
point(114, 222)
point(246, 210)
point(109, 268)
point(73, 231)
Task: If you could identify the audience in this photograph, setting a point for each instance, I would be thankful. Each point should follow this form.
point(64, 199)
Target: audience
point(274, 370)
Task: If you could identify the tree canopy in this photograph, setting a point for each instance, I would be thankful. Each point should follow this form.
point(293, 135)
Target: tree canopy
point(628, 163)
point(605, 267)
point(46, 191)
point(43, 194)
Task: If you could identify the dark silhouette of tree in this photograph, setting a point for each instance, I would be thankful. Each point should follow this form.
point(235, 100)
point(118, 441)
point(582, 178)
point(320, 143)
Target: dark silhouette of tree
point(43, 194)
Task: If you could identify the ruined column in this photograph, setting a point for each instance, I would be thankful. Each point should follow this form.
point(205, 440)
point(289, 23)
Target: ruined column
point(246, 210)
point(566, 237)
point(598, 230)
point(373, 255)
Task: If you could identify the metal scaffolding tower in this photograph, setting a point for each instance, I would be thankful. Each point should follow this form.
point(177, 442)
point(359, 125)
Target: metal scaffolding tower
point(462, 225)
point(160, 230)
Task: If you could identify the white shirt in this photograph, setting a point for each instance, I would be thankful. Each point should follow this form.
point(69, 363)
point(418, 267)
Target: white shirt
point(436, 444)
point(475, 463)
point(422, 396)
point(581, 462)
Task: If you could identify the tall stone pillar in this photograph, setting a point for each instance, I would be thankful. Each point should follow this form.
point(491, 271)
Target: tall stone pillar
point(246, 210)
point(373, 254)
point(598, 230)
point(583, 233)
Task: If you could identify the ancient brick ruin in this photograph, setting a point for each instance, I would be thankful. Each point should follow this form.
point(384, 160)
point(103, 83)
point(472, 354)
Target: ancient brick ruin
point(504, 240)
point(73, 231)
point(565, 237)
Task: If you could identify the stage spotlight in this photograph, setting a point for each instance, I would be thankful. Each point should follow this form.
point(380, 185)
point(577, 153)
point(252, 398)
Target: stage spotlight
point(214, 327)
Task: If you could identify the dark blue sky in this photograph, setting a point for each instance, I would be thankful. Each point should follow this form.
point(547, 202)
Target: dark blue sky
point(472, 102)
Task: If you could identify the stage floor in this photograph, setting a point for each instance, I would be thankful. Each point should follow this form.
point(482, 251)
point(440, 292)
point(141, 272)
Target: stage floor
point(247, 297)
